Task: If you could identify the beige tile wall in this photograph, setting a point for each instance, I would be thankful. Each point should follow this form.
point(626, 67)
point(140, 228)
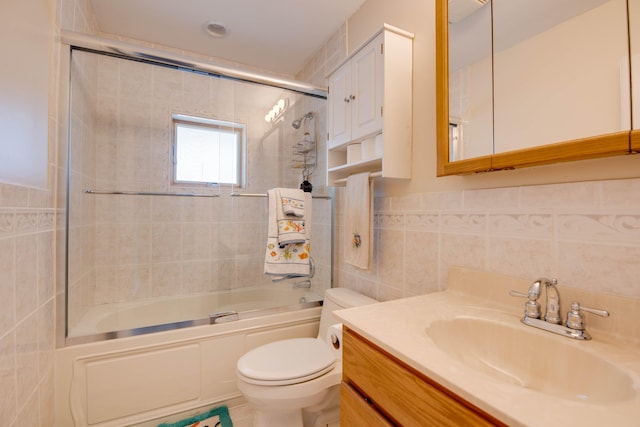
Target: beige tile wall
point(125, 248)
point(587, 234)
point(30, 225)
point(27, 224)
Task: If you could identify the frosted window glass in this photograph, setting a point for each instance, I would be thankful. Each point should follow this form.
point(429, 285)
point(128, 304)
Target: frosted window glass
point(207, 154)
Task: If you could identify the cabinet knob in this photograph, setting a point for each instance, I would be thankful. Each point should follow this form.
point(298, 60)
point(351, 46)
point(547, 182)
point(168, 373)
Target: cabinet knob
point(352, 97)
point(346, 99)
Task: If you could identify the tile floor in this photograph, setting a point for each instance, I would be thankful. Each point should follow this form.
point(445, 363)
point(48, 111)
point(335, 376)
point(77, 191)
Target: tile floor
point(242, 416)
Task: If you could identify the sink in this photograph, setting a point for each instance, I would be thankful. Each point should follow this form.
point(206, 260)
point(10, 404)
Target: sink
point(532, 359)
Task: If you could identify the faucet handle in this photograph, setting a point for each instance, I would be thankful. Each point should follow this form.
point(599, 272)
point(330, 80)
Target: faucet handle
point(532, 307)
point(518, 294)
point(575, 317)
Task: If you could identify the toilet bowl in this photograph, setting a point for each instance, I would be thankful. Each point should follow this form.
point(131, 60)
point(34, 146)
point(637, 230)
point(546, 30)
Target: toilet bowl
point(295, 382)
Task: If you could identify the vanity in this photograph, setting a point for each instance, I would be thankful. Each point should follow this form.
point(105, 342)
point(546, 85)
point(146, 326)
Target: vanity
point(370, 393)
point(462, 357)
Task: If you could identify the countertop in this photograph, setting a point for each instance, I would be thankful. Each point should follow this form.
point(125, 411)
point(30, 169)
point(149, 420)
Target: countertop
point(399, 327)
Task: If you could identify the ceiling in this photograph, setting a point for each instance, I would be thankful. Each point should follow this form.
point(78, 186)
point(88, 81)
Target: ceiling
point(274, 35)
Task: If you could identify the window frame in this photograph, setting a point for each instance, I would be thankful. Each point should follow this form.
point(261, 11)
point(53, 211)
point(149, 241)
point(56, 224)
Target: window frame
point(212, 124)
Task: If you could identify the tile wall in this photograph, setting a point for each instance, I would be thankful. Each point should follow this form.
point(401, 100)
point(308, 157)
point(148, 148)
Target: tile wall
point(30, 221)
point(27, 227)
point(587, 234)
point(125, 248)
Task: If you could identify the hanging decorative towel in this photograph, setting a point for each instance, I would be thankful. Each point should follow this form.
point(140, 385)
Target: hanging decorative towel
point(292, 201)
point(288, 239)
point(290, 214)
point(359, 221)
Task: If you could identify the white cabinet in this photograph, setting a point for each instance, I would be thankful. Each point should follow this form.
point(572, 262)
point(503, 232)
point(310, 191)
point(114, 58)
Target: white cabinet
point(355, 94)
point(370, 94)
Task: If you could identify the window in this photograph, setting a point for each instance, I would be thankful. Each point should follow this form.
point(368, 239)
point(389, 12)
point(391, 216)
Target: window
point(207, 151)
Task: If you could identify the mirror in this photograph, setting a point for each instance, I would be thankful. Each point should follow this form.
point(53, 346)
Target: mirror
point(470, 81)
point(529, 82)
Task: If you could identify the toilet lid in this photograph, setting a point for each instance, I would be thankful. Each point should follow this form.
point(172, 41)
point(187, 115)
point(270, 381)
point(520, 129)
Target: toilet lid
point(286, 362)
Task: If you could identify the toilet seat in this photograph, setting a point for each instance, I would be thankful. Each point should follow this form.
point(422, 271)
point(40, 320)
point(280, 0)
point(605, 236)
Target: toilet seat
point(286, 362)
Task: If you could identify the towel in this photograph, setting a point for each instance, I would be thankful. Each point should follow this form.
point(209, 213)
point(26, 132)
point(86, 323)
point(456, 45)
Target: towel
point(359, 221)
point(292, 201)
point(290, 215)
point(287, 260)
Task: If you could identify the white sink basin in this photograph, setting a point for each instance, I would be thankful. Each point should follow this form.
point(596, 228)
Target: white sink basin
point(533, 359)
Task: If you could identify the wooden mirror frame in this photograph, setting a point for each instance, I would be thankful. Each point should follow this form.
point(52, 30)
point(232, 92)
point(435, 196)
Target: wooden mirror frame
point(613, 144)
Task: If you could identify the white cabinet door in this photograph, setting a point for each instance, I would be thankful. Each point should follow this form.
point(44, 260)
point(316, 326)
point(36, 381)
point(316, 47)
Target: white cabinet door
point(340, 106)
point(366, 90)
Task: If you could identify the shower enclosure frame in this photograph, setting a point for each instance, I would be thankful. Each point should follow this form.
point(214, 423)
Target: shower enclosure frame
point(76, 41)
point(125, 50)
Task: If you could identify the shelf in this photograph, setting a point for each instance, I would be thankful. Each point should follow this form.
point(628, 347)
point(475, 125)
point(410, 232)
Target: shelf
point(342, 146)
point(338, 175)
point(343, 181)
point(359, 166)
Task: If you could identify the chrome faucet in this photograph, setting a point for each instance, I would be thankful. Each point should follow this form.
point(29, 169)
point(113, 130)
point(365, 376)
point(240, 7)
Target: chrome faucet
point(532, 307)
point(574, 327)
point(552, 314)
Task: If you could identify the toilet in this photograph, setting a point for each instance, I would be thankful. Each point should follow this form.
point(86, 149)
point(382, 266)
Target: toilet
point(295, 382)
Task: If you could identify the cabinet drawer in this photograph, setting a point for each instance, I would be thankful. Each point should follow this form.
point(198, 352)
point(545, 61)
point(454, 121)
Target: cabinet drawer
point(401, 393)
point(355, 411)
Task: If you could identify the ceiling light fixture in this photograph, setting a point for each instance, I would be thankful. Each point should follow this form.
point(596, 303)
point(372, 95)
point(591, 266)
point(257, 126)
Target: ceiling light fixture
point(215, 29)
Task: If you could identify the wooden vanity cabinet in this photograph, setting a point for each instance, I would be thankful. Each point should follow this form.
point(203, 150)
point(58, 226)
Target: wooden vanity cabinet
point(380, 390)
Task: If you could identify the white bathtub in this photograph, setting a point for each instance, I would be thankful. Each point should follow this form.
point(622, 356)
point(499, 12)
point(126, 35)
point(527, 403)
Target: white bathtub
point(134, 318)
point(131, 380)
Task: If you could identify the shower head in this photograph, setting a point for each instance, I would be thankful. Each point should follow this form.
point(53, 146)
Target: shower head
point(298, 122)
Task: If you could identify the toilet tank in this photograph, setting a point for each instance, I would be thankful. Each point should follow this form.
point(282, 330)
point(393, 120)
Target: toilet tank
point(337, 299)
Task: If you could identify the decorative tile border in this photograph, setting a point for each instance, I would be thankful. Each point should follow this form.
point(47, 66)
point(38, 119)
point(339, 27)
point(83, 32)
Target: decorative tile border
point(599, 227)
point(25, 221)
point(464, 222)
point(389, 220)
point(521, 224)
point(423, 221)
point(7, 220)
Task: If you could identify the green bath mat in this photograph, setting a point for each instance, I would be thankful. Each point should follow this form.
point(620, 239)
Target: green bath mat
point(217, 417)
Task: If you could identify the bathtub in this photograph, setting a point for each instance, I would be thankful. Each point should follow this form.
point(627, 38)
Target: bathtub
point(143, 376)
point(151, 315)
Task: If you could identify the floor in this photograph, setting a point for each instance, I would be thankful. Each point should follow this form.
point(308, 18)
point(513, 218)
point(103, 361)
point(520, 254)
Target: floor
point(241, 415)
